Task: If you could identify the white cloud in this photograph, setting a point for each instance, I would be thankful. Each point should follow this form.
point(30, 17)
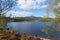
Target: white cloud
point(39, 1)
point(21, 14)
point(29, 4)
point(44, 6)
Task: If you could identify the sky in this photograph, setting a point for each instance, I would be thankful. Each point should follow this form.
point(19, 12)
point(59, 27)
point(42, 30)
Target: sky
point(26, 8)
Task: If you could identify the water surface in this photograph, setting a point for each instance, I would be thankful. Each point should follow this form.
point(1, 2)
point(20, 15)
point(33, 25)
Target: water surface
point(33, 28)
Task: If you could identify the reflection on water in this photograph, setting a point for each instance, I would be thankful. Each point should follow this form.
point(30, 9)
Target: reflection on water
point(34, 28)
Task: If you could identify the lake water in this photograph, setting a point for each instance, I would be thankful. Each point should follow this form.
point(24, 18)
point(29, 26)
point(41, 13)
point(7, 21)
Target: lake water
point(33, 28)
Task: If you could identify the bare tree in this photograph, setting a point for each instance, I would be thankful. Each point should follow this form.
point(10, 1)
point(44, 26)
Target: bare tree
point(6, 5)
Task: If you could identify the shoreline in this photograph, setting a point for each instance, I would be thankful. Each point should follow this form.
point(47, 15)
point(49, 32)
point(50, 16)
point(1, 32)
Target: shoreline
point(12, 35)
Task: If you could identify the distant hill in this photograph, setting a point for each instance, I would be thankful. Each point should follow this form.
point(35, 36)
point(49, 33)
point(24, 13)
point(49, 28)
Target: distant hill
point(30, 18)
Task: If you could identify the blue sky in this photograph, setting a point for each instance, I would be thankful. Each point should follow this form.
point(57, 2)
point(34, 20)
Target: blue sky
point(30, 8)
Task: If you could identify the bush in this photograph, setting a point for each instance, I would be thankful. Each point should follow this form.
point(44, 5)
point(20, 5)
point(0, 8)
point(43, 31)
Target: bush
point(3, 22)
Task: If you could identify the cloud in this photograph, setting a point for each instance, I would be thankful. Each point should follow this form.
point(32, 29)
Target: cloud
point(29, 4)
point(39, 1)
point(21, 14)
point(44, 6)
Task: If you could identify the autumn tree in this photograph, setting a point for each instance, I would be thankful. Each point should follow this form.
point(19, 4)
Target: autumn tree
point(54, 6)
point(56, 11)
